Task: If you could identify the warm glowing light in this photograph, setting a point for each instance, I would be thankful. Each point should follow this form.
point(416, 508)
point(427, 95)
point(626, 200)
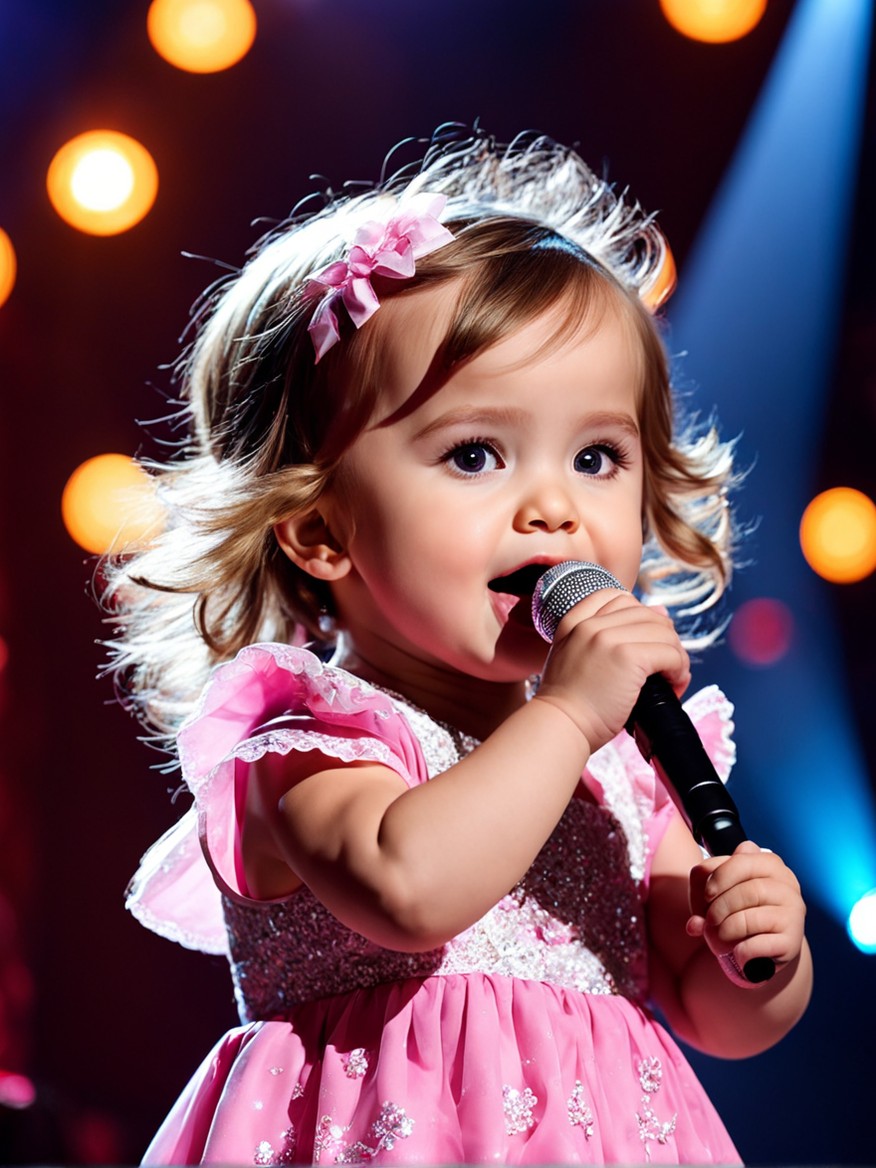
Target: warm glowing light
point(838, 535)
point(109, 503)
point(664, 282)
point(201, 36)
point(713, 20)
point(102, 182)
point(8, 266)
point(761, 632)
point(862, 923)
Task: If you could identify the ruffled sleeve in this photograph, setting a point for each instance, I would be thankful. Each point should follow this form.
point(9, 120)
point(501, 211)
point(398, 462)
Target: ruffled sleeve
point(620, 778)
point(270, 699)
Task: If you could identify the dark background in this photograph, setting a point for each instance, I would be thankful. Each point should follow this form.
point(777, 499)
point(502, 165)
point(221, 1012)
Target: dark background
point(108, 1020)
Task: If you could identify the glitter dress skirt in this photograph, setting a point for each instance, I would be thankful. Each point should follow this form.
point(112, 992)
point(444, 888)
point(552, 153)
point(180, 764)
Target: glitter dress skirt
point(447, 1070)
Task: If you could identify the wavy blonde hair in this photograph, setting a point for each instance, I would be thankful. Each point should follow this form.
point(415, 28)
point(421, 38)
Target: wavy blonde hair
point(267, 426)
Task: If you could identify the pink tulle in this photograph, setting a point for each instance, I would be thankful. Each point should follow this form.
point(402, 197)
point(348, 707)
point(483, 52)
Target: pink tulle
point(449, 1070)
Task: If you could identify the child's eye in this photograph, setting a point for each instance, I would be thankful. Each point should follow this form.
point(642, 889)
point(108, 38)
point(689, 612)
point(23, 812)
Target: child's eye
point(599, 460)
point(472, 458)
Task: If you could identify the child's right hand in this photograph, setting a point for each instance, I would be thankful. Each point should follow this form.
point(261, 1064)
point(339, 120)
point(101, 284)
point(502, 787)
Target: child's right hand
point(604, 650)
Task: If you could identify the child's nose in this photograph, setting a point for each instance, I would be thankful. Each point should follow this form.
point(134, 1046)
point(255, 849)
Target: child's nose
point(547, 507)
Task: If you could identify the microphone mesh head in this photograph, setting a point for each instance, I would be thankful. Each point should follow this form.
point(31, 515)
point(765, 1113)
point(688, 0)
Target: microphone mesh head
point(562, 587)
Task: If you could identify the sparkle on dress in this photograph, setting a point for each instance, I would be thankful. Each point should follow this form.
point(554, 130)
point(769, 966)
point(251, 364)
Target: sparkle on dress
point(265, 1152)
point(330, 1147)
point(650, 1126)
point(356, 1063)
point(518, 1107)
point(575, 920)
point(579, 1113)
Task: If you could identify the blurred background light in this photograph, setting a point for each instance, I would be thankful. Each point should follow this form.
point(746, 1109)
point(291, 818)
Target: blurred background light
point(8, 266)
point(16, 1091)
point(862, 923)
point(102, 182)
point(838, 535)
point(201, 36)
point(664, 283)
point(761, 632)
point(713, 20)
point(109, 503)
point(758, 325)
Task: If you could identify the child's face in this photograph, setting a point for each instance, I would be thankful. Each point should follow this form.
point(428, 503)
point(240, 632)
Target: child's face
point(528, 454)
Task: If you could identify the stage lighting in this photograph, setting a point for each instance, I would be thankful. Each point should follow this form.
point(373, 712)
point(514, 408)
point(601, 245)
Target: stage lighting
point(664, 282)
point(8, 266)
point(838, 535)
point(201, 36)
point(713, 20)
point(16, 1091)
point(761, 632)
point(102, 182)
point(754, 323)
point(862, 923)
point(109, 504)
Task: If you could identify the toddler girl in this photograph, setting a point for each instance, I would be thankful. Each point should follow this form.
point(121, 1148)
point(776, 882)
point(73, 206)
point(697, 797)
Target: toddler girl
point(449, 887)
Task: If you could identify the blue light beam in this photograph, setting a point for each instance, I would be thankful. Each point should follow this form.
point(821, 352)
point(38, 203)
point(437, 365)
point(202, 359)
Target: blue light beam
point(757, 310)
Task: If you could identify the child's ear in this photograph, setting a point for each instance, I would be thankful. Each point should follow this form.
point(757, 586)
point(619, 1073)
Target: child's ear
point(310, 545)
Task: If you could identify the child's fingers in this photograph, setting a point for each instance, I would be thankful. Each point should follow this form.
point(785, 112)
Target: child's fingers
point(738, 927)
point(767, 935)
point(626, 633)
point(604, 650)
point(748, 864)
point(748, 904)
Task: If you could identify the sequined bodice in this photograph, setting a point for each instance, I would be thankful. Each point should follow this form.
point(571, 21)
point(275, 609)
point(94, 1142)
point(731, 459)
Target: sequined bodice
point(574, 921)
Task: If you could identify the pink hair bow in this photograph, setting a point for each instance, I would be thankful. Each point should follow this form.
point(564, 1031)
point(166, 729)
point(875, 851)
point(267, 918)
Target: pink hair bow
point(379, 249)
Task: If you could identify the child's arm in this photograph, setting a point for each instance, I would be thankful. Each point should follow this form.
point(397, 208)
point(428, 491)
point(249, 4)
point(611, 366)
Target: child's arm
point(411, 868)
point(748, 903)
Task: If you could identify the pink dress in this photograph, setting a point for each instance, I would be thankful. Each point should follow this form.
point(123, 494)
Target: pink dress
point(525, 1040)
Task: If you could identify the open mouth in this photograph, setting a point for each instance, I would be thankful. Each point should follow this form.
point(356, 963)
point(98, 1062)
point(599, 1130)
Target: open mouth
point(519, 583)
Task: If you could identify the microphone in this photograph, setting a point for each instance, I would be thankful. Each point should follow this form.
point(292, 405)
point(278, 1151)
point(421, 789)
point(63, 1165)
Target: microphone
point(663, 732)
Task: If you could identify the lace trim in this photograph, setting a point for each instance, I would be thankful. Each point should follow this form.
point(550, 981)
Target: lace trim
point(328, 690)
point(284, 741)
point(165, 927)
point(712, 702)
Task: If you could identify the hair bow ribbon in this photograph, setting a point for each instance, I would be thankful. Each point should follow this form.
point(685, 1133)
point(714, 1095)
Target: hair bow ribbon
point(388, 249)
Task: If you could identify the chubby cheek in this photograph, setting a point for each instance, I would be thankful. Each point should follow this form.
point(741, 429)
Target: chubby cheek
point(622, 539)
point(631, 568)
point(427, 534)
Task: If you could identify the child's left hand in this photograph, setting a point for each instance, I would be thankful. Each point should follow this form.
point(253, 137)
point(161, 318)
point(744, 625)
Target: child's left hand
point(748, 904)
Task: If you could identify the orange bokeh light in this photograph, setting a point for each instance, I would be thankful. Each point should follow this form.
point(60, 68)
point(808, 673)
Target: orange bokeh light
point(8, 266)
point(838, 535)
point(201, 36)
point(109, 504)
point(664, 282)
point(714, 21)
point(102, 182)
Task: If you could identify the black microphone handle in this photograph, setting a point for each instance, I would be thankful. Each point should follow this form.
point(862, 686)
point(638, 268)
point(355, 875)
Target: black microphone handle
point(668, 739)
point(664, 734)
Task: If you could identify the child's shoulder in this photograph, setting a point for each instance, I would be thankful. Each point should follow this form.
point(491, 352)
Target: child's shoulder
point(272, 698)
point(269, 683)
